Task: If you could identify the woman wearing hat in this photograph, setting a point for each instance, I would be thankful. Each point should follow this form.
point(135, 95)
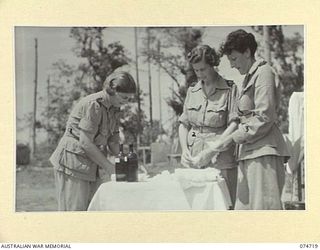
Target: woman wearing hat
point(208, 110)
point(92, 124)
point(262, 149)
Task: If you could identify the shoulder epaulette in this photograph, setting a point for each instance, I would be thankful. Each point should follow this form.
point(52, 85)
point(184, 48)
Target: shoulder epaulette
point(192, 84)
point(99, 100)
point(262, 63)
point(230, 83)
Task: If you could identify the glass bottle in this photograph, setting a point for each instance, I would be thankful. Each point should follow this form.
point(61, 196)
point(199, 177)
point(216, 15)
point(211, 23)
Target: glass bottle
point(120, 165)
point(132, 165)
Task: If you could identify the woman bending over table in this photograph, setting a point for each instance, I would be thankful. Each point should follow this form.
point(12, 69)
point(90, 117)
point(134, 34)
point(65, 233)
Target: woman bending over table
point(92, 125)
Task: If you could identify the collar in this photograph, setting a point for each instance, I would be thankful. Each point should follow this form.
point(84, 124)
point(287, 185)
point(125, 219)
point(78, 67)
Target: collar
point(220, 84)
point(247, 81)
point(255, 66)
point(104, 99)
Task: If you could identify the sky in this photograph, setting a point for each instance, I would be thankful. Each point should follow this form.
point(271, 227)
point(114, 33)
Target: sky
point(54, 43)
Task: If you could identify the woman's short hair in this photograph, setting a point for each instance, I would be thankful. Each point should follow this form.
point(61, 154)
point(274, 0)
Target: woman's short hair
point(204, 52)
point(121, 82)
point(240, 41)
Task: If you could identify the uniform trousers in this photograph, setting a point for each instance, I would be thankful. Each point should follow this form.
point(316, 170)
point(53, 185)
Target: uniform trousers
point(260, 183)
point(74, 194)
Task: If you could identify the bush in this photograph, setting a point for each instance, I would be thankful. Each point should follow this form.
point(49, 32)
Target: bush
point(23, 154)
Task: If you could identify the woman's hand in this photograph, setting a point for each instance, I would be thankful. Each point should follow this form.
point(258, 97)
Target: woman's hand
point(104, 174)
point(202, 159)
point(186, 159)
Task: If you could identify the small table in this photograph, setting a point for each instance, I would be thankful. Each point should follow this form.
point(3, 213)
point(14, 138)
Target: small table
point(122, 196)
point(160, 194)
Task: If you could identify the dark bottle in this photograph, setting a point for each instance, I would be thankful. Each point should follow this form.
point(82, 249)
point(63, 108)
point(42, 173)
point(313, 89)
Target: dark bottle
point(132, 165)
point(121, 165)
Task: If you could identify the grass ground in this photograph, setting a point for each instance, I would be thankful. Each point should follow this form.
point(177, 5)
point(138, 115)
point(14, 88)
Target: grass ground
point(35, 189)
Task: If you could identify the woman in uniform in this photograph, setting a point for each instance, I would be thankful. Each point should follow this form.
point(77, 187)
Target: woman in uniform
point(93, 124)
point(208, 110)
point(262, 149)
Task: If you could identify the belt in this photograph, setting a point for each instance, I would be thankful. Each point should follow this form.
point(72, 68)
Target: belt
point(206, 129)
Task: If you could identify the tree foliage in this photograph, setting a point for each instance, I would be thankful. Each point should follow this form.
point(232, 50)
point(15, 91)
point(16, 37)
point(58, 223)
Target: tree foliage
point(101, 60)
point(176, 43)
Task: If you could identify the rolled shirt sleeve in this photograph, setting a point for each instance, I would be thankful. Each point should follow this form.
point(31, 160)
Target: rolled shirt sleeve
point(91, 117)
point(263, 116)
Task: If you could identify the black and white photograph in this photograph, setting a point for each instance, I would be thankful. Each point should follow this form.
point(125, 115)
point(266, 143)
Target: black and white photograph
point(159, 118)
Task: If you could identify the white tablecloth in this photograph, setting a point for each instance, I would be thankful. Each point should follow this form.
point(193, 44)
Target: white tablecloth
point(161, 193)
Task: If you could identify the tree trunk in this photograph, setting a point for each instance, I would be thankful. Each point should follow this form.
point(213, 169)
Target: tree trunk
point(34, 149)
point(266, 39)
point(138, 85)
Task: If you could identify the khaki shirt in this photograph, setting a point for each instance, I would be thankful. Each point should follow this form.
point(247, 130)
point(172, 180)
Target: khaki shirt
point(207, 117)
point(258, 134)
point(95, 115)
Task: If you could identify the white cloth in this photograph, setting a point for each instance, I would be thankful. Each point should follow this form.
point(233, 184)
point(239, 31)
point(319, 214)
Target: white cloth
point(163, 192)
point(295, 178)
point(190, 177)
point(296, 129)
point(205, 189)
point(296, 116)
point(150, 195)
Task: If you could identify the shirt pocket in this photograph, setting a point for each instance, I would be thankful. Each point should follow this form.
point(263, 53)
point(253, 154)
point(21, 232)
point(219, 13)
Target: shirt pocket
point(75, 158)
point(246, 102)
point(194, 113)
point(216, 114)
